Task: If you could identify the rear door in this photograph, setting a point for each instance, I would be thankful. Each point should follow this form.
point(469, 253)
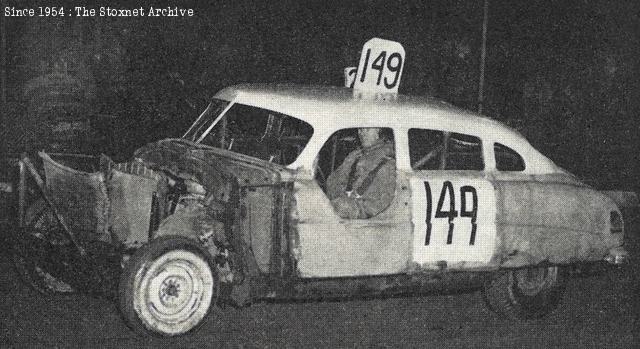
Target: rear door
point(453, 204)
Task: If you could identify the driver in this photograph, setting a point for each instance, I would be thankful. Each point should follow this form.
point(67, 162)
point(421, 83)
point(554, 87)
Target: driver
point(365, 183)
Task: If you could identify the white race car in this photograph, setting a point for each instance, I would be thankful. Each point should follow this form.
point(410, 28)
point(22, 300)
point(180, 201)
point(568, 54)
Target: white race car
point(473, 204)
point(242, 208)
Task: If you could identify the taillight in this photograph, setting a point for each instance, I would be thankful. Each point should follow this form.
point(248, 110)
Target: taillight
point(616, 222)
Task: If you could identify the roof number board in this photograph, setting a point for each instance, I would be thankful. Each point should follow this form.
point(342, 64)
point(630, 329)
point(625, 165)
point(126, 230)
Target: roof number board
point(350, 76)
point(380, 67)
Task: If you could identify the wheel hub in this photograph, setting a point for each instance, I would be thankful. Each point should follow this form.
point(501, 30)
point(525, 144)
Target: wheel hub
point(170, 291)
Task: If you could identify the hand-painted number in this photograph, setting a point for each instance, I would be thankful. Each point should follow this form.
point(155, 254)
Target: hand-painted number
point(447, 189)
point(393, 64)
point(378, 64)
point(427, 191)
point(473, 214)
point(395, 68)
point(452, 213)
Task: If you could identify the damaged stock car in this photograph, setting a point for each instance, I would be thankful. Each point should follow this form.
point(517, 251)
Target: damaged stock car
point(237, 210)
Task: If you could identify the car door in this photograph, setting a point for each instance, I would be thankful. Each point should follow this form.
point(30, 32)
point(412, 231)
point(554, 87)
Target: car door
point(453, 203)
point(328, 245)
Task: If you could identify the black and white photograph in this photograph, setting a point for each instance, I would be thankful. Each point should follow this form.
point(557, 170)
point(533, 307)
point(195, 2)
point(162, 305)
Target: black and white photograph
point(320, 174)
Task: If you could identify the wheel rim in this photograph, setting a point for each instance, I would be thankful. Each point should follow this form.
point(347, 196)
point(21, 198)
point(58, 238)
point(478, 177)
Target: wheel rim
point(533, 280)
point(173, 293)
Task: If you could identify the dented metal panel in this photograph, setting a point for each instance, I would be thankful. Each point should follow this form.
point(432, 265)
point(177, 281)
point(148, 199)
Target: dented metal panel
point(260, 230)
point(554, 220)
point(265, 226)
point(328, 246)
point(80, 197)
point(131, 201)
point(211, 166)
point(260, 208)
point(623, 199)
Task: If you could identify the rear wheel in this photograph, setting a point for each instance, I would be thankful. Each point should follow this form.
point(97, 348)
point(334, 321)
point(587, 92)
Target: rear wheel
point(525, 293)
point(167, 287)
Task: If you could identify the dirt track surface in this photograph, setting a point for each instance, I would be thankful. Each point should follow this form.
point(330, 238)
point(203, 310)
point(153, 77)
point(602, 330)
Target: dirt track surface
point(601, 310)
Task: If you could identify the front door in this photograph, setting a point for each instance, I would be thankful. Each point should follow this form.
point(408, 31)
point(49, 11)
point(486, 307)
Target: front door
point(353, 217)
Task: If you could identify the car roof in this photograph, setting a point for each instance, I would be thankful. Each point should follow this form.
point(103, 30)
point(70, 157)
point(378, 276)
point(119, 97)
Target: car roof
point(328, 109)
point(341, 107)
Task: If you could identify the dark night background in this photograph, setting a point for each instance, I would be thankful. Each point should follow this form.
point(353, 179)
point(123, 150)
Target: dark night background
point(564, 73)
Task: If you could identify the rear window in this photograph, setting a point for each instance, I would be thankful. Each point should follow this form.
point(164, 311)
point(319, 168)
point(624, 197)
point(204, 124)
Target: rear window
point(507, 159)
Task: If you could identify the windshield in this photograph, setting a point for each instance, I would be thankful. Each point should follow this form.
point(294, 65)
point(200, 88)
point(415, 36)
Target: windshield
point(205, 120)
point(252, 131)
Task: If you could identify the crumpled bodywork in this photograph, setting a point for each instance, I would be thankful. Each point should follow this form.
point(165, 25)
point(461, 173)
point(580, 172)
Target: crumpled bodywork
point(112, 204)
point(80, 197)
point(133, 189)
point(211, 167)
point(329, 246)
point(247, 197)
point(553, 219)
point(286, 227)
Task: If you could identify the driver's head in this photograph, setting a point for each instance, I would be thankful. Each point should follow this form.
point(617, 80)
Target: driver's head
point(368, 136)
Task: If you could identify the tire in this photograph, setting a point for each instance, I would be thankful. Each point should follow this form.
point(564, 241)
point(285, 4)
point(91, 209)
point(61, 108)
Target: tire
point(528, 293)
point(40, 219)
point(167, 287)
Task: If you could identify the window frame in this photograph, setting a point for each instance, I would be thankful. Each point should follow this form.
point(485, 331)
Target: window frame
point(486, 154)
point(221, 118)
point(495, 158)
point(395, 133)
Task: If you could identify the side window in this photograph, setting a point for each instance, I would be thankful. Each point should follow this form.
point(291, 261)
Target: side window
point(357, 171)
point(438, 150)
point(507, 159)
point(333, 153)
point(464, 153)
point(425, 149)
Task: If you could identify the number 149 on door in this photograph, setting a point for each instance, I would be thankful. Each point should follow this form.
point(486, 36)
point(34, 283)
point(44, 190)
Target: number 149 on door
point(453, 219)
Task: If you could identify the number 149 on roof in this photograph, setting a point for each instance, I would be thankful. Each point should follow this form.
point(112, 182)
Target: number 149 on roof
point(380, 66)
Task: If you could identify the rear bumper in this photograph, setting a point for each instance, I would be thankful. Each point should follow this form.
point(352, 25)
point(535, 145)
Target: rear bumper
point(617, 256)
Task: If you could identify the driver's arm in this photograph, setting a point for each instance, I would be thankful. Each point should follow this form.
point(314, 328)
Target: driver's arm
point(337, 181)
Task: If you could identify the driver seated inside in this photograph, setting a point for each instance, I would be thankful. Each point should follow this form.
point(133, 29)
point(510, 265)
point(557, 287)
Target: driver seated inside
point(365, 183)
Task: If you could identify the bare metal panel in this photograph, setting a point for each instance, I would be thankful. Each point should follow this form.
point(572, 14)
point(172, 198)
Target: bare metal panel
point(131, 200)
point(328, 246)
point(80, 197)
point(552, 222)
point(260, 210)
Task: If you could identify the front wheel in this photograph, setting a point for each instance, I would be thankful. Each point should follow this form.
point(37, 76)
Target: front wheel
point(167, 287)
point(525, 293)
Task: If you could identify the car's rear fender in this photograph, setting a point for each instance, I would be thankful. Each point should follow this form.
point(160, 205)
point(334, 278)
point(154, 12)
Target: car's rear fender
point(551, 219)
